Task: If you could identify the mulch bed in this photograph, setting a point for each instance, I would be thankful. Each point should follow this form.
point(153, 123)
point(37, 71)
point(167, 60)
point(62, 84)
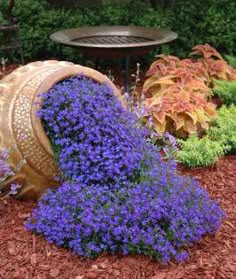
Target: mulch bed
point(24, 255)
point(8, 70)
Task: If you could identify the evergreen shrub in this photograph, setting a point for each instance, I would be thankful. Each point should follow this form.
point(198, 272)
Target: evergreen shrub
point(195, 152)
point(213, 23)
point(220, 140)
point(226, 90)
point(223, 129)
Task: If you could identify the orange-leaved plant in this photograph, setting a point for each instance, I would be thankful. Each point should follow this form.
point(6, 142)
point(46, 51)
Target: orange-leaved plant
point(181, 113)
point(214, 63)
point(178, 90)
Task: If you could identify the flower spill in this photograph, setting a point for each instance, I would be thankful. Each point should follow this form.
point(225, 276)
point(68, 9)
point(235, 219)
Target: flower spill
point(118, 194)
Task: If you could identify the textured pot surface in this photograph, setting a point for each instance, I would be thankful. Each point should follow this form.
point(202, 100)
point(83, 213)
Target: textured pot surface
point(20, 129)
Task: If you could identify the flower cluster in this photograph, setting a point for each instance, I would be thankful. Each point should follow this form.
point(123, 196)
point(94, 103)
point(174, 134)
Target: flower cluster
point(119, 196)
point(156, 217)
point(94, 137)
point(167, 143)
point(6, 171)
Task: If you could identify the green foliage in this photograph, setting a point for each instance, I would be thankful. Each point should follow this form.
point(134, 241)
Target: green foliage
point(197, 152)
point(224, 128)
point(219, 25)
point(231, 60)
point(226, 90)
point(214, 23)
point(220, 139)
point(3, 8)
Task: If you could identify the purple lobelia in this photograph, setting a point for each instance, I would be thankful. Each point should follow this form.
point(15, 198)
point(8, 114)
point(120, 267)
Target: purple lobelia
point(6, 172)
point(5, 169)
point(119, 196)
point(93, 136)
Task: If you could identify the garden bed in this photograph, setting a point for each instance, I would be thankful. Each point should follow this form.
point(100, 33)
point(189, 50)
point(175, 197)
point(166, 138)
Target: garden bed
point(25, 255)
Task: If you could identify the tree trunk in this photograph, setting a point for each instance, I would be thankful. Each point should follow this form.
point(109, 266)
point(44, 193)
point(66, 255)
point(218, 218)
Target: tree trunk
point(9, 10)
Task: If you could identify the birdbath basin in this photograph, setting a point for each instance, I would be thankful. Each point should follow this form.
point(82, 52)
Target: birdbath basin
point(114, 41)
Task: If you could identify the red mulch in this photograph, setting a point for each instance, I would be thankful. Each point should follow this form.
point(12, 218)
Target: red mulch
point(24, 255)
point(8, 70)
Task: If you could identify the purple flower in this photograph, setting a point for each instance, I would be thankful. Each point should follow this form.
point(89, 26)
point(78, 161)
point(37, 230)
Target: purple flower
point(119, 196)
point(14, 189)
point(182, 256)
point(5, 169)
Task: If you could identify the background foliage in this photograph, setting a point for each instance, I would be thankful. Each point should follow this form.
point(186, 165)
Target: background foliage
point(198, 21)
point(226, 90)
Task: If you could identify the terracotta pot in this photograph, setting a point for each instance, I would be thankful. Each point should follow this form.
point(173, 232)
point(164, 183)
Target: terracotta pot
point(21, 130)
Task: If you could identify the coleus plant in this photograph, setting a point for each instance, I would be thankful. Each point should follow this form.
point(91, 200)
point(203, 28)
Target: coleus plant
point(181, 113)
point(168, 70)
point(175, 82)
point(178, 71)
point(169, 61)
point(214, 63)
point(177, 90)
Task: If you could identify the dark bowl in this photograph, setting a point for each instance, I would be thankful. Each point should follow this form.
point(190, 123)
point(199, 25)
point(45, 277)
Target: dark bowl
point(110, 41)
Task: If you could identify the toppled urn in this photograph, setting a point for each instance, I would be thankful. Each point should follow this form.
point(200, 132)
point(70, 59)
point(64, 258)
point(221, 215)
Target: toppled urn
point(22, 131)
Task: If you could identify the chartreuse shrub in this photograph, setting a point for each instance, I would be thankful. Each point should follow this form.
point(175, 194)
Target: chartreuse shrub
point(226, 90)
point(220, 140)
point(195, 152)
point(223, 129)
point(231, 60)
point(119, 196)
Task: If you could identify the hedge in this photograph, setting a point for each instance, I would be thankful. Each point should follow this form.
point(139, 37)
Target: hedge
point(201, 21)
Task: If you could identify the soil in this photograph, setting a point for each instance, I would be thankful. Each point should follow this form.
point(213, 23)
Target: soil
point(8, 69)
point(24, 255)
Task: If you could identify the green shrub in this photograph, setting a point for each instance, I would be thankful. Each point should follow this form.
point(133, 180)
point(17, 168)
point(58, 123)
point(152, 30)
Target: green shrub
point(214, 23)
point(197, 152)
point(231, 60)
point(218, 26)
point(224, 129)
point(226, 90)
point(220, 139)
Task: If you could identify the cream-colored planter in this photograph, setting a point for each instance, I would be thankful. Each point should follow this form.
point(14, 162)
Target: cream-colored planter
point(21, 130)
